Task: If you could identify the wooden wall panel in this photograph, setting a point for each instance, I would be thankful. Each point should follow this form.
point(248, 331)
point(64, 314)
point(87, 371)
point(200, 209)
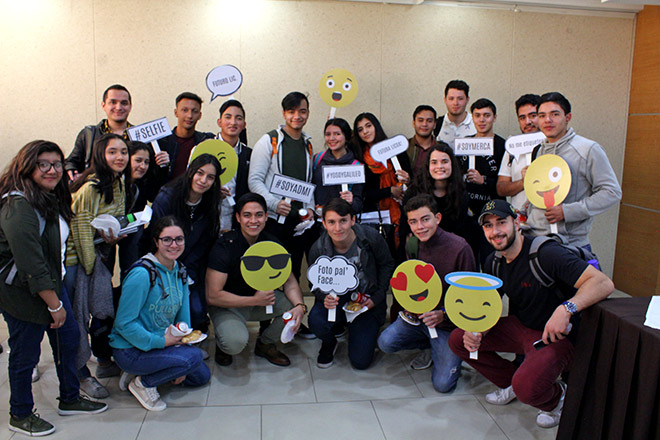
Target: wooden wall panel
point(637, 260)
point(645, 85)
point(641, 180)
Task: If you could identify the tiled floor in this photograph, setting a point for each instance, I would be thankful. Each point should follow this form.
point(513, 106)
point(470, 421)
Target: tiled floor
point(253, 400)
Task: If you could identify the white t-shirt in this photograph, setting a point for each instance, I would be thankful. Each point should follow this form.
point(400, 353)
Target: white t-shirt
point(450, 131)
point(514, 171)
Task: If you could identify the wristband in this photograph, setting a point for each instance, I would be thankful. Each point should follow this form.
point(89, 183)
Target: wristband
point(303, 306)
point(57, 309)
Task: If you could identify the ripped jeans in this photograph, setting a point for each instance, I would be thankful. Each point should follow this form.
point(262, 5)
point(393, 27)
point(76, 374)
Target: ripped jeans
point(403, 336)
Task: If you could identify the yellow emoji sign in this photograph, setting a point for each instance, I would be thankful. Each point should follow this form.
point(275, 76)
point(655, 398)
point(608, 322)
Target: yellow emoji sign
point(472, 301)
point(416, 286)
point(338, 88)
point(266, 265)
point(547, 181)
point(223, 152)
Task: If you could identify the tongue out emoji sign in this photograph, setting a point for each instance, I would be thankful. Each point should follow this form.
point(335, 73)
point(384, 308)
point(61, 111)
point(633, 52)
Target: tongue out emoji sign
point(547, 181)
point(416, 286)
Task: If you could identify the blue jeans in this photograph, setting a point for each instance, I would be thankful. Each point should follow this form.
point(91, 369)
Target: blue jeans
point(25, 344)
point(446, 365)
point(199, 319)
point(362, 332)
point(162, 365)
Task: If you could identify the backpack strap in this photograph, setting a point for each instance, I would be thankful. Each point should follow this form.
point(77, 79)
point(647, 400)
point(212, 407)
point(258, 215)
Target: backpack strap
point(534, 263)
point(535, 151)
point(273, 140)
point(412, 247)
point(317, 159)
point(497, 263)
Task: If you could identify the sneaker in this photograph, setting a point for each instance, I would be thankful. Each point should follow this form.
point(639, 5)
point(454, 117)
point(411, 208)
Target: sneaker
point(326, 355)
point(93, 388)
point(81, 406)
point(422, 361)
point(271, 353)
point(148, 397)
point(205, 354)
point(36, 374)
point(501, 396)
point(124, 380)
point(305, 333)
point(108, 370)
point(32, 425)
point(550, 419)
point(222, 358)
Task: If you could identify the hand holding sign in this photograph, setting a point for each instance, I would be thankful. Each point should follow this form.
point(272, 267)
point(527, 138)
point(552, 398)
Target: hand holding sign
point(224, 81)
point(334, 276)
point(388, 149)
point(266, 266)
point(338, 88)
point(472, 301)
point(547, 182)
point(151, 132)
point(417, 287)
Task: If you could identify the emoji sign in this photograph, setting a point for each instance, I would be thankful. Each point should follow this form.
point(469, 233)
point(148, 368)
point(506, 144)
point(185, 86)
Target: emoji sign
point(222, 151)
point(266, 265)
point(472, 301)
point(416, 286)
point(338, 88)
point(547, 181)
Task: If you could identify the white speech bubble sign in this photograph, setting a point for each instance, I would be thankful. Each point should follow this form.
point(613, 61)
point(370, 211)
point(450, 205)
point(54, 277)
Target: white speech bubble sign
point(384, 150)
point(292, 188)
point(474, 147)
point(333, 275)
point(523, 143)
point(343, 174)
point(150, 131)
point(224, 80)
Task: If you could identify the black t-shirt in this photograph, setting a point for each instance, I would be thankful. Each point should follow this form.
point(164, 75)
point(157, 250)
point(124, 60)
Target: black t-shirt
point(529, 301)
point(226, 256)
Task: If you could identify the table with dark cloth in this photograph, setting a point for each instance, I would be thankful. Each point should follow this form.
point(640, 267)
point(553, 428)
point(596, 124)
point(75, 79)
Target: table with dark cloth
point(614, 387)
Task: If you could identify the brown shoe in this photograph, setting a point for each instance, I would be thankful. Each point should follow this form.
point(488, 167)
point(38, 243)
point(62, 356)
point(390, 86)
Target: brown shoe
point(222, 358)
point(271, 353)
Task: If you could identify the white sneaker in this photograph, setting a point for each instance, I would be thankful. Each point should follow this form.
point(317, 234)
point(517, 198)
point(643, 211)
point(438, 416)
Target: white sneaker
point(501, 396)
point(36, 375)
point(550, 419)
point(148, 397)
point(124, 380)
point(422, 361)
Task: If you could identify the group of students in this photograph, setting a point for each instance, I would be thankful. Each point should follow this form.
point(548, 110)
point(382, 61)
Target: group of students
point(185, 266)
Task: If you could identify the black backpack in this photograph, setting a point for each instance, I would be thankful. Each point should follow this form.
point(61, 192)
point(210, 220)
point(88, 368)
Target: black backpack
point(534, 263)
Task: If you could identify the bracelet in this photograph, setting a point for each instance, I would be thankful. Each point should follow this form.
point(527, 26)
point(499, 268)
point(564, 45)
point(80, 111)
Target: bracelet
point(303, 306)
point(57, 309)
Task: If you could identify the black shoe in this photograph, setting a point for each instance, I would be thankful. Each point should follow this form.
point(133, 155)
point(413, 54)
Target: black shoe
point(305, 333)
point(326, 354)
point(222, 358)
point(272, 354)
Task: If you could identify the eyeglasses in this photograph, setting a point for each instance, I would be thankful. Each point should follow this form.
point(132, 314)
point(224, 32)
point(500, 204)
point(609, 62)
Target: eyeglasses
point(255, 262)
point(167, 241)
point(45, 166)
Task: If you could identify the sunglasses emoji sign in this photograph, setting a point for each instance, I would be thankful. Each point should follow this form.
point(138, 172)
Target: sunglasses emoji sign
point(266, 265)
point(472, 301)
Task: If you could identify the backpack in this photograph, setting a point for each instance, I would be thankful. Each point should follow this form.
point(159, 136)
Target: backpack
point(154, 275)
point(534, 263)
point(412, 247)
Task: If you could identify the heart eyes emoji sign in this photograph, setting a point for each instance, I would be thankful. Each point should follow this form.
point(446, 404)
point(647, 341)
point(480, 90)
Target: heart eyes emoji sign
point(416, 286)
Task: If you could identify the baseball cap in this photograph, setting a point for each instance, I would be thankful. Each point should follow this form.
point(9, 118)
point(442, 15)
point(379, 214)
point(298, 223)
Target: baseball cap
point(497, 207)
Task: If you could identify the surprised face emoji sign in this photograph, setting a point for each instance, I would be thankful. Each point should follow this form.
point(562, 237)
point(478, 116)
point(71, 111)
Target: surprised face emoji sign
point(338, 88)
point(266, 265)
point(416, 286)
point(547, 181)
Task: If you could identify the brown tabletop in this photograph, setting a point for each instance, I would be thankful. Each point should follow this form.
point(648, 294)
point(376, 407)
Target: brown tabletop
point(614, 387)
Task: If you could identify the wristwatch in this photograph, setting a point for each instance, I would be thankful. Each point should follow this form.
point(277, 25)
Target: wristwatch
point(570, 307)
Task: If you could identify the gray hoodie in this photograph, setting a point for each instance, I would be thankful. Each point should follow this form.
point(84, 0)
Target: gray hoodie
point(594, 188)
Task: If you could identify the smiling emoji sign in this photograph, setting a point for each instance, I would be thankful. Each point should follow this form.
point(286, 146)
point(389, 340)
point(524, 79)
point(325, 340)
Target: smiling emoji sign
point(266, 265)
point(338, 88)
point(472, 301)
point(547, 181)
point(416, 286)
point(222, 151)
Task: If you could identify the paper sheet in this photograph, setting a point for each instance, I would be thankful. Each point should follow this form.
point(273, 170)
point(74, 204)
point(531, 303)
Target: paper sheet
point(653, 313)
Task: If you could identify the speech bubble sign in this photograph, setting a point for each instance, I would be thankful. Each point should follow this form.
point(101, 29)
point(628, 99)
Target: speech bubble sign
point(150, 131)
point(474, 147)
point(222, 151)
point(523, 143)
point(547, 181)
point(384, 150)
point(343, 174)
point(338, 87)
point(224, 80)
point(333, 275)
point(416, 286)
point(294, 189)
point(266, 265)
point(472, 301)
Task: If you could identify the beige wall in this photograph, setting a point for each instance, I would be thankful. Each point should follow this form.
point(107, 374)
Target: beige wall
point(59, 55)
